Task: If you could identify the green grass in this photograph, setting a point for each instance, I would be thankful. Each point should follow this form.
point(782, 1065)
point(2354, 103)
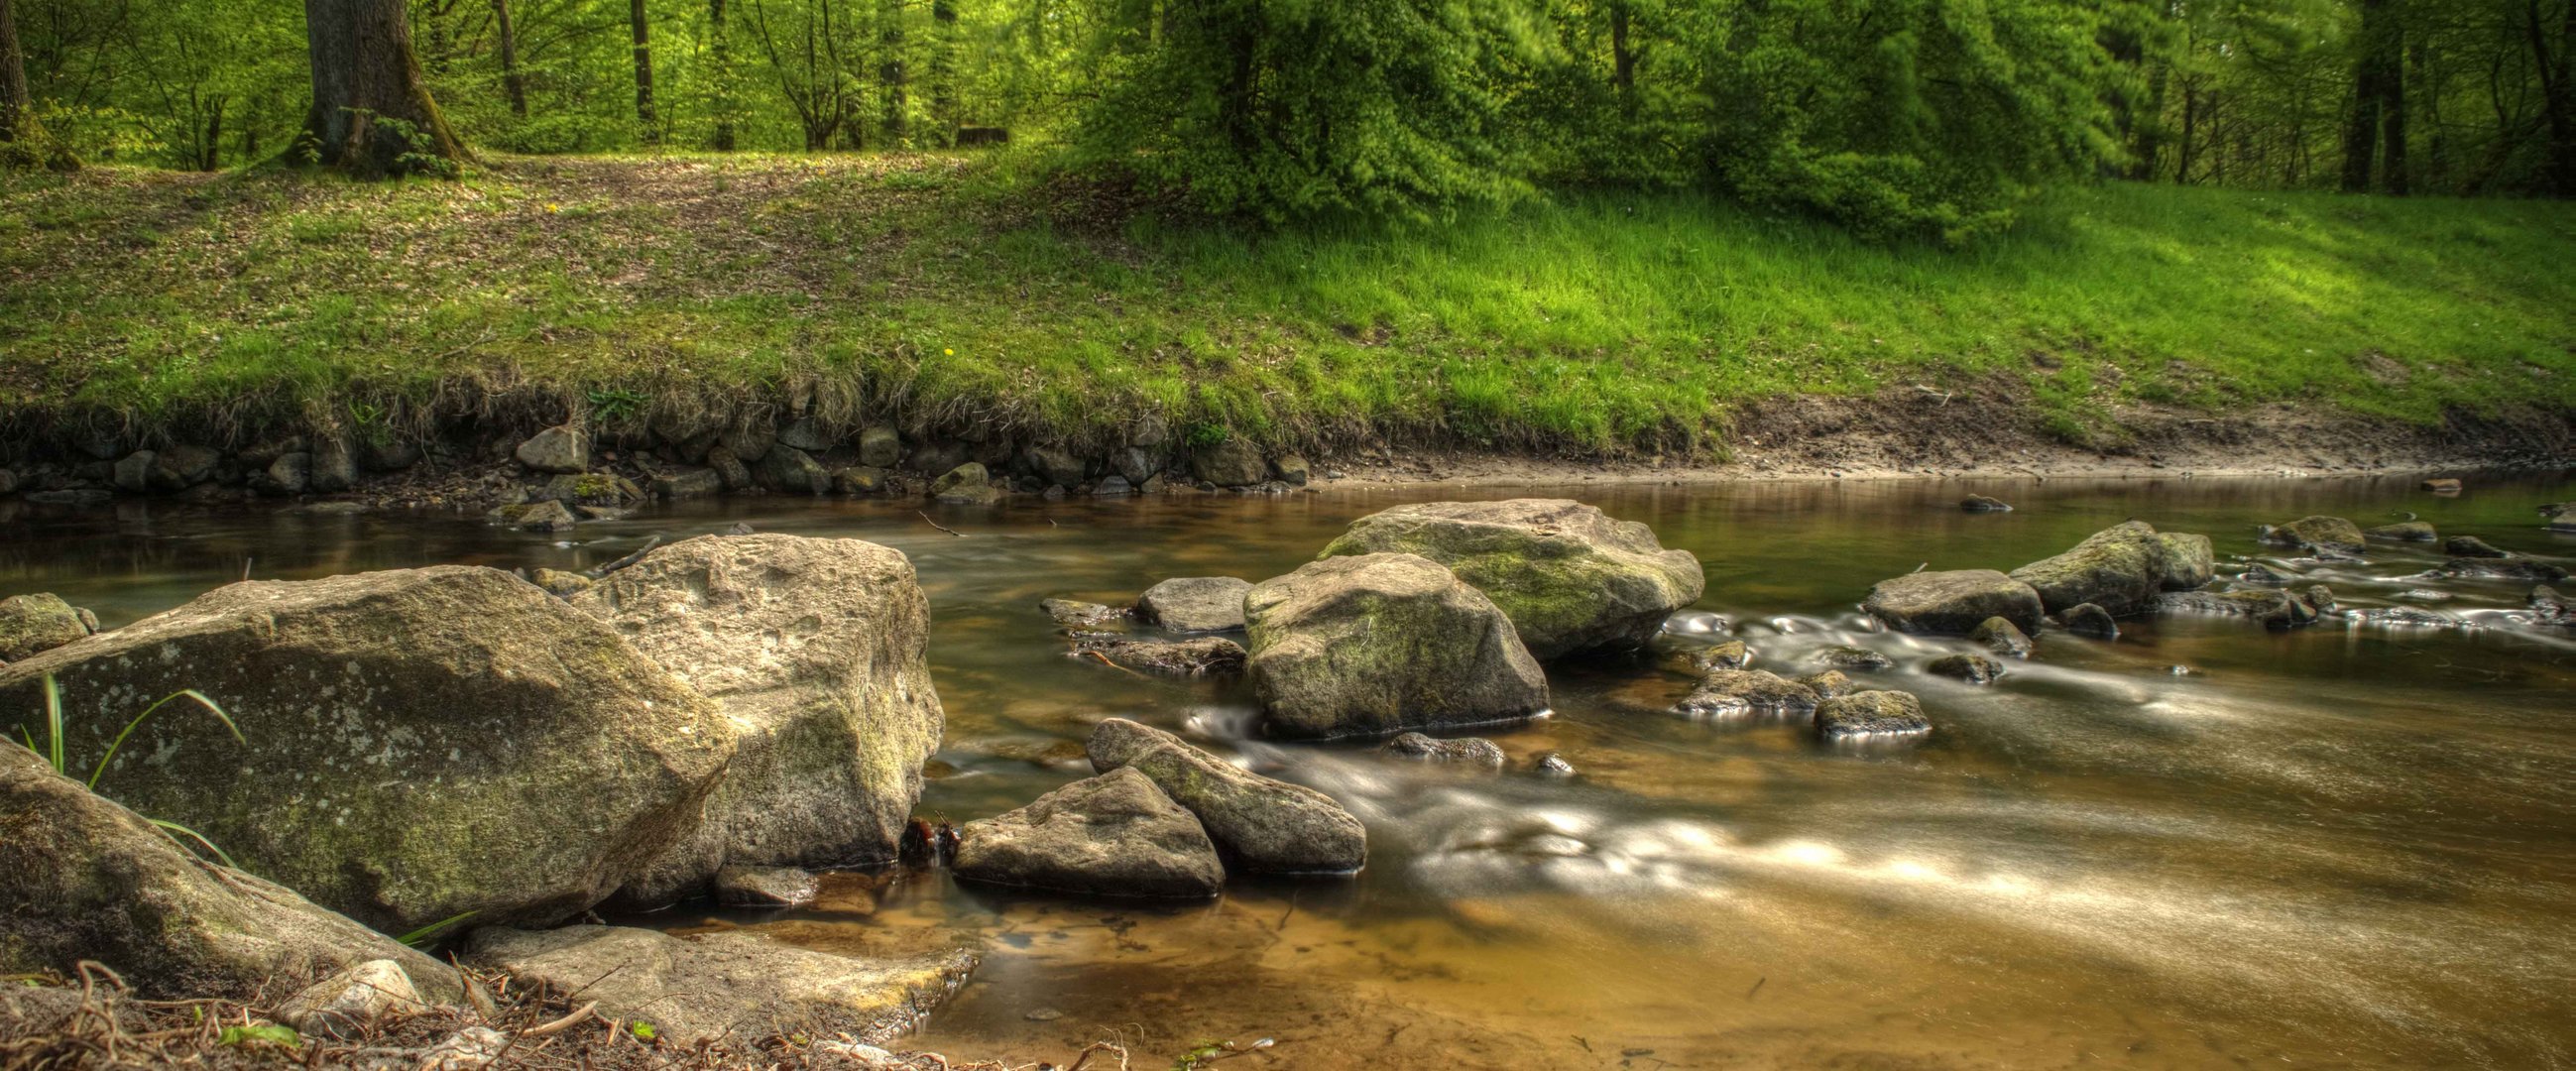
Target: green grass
point(966, 289)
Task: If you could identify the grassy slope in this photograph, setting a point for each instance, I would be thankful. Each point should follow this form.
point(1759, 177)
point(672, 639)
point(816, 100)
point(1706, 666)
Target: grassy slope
point(938, 285)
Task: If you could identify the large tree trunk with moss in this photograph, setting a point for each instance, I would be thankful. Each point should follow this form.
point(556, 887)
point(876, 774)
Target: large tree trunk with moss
point(17, 108)
point(371, 115)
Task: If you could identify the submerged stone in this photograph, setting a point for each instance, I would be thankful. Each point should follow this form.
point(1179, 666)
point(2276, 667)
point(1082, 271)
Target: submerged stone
point(2405, 532)
point(2318, 533)
point(1465, 751)
point(2470, 547)
point(2002, 637)
point(1201, 657)
point(1729, 692)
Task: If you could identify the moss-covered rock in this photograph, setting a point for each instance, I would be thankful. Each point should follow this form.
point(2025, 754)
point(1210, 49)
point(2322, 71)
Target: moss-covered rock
point(1112, 835)
point(1229, 462)
point(815, 649)
point(1696, 659)
point(2333, 535)
point(1871, 714)
point(2088, 619)
point(592, 489)
point(1571, 578)
point(560, 584)
point(1381, 643)
point(2002, 637)
point(966, 484)
point(2274, 608)
point(82, 878)
point(788, 470)
point(719, 985)
point(38, 622)
point(2119, 569)
point(1203, 656)
point(1973, 669)
point(2406, 532)
point(1464, 751)
point(421, 743)
point(1733, 692)
point(1260, 825)
point(1952, 603)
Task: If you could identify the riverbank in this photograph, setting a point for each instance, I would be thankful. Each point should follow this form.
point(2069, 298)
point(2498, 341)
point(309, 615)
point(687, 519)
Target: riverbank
point(946, 295)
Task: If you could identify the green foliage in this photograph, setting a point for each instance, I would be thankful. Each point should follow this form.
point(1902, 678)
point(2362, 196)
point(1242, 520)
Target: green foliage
point(254, 1035)
point(428, 935)
point(1307, 108)
point(52, 749)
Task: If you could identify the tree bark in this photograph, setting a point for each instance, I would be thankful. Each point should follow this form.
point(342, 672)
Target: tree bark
point(2557, 94)
point(511, 79)
point(17, 106)
point(2377, 120)
point(371, 115)
point(943, 70)
point(720, 49)
point(890, 72)
point(652, 128)
point(1623, 60)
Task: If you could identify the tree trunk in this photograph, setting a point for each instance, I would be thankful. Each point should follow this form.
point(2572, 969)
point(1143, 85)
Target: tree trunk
point(1623, 60)
point(890, 72)
point(652, 128)
point(943, 70)
point(370, 114)
point(511, 79)
point(2557, 94)
point(17, 106)
point(2378, 118)
point(720, 49)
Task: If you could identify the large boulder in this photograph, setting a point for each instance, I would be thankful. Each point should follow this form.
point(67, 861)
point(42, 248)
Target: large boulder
point(708, 987)
point(1953, 603)
point(1381, 643)
point(1570, 577)
point(1195, 604)
point(814, 649)
point(1112, 835)
point(2120, 569)
point(1262, 826)
point(82, 878)
point(2333, 535)
point(421, 743)
point(33, 623)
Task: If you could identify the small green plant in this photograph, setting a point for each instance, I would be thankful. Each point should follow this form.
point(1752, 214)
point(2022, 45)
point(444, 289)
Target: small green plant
point(643, 1032)
point(54, 755)
point(427, 935)
point(609, 405)
point(249, 1035)
point(1203, 435)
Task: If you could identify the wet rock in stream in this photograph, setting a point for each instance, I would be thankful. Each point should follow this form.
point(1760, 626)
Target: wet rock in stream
point(1204, 656)
point(1263, 826)
point(2087, 619)
point(1073, 613)
point(2275, 609)
point(1828, 683)
point(2405, 532)
point(2120, 569)
point(765, 886)
point(1732, 692)
point(1858, 659)
point(1984, 504)
point(1972, 669)
point(1195, 604)
point(1871, 714)
point(2470, 547)
point(1695, 660)
point(2323, 534)
point(1464, 751)
point(1116, 834)
point(2523, 569)
point(2002, 637)
point(1952, 603)
point(707, 987)
point(1380, 643)
point(1571, 578)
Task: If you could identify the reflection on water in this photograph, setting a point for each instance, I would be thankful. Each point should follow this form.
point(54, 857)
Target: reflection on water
point(2202, 845)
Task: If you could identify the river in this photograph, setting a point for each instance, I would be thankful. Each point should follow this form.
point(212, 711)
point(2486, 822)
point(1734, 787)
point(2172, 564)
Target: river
point(2202, 845)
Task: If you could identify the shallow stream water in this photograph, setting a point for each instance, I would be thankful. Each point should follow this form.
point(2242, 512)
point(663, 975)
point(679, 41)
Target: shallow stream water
point(2348, 846)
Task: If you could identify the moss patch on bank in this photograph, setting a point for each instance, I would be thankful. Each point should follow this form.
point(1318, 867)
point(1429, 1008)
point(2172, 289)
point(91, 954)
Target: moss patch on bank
point(947, 289)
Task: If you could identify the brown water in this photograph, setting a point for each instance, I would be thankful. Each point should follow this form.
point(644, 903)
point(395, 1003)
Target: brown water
point(2351, 846)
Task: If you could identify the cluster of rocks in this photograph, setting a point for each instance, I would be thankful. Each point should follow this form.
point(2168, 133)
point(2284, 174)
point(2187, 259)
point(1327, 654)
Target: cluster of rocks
point(427, 745)
point(1160, 819)
point(566, 474)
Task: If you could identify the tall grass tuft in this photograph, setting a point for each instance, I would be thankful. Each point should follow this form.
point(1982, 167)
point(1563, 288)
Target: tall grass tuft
point(53, 751)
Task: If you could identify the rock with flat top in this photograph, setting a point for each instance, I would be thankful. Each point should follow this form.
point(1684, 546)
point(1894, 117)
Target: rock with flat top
point(1871, 714)
point(1571, 578)
point(734, 985)
point(1380, 643)
point(2332, 535)
point(1952, 603)
point(1731, 692)
point(1195, 604)
point(1112, 835)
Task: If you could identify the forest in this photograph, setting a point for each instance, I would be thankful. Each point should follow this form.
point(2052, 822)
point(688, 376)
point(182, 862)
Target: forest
point(1898, 117)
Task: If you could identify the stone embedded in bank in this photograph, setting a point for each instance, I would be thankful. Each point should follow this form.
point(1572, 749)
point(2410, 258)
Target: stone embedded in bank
point(563, 448)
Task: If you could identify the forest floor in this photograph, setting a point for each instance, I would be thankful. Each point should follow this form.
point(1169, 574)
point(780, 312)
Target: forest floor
point(940, 290)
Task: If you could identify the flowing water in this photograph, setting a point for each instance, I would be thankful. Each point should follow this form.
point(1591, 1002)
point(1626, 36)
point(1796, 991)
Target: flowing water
point(2202, 845)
